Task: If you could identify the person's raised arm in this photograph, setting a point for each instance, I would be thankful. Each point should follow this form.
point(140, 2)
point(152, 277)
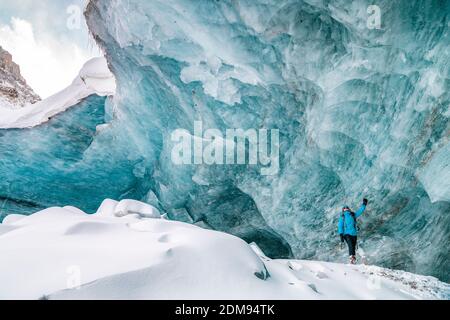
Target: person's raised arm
point(362, 208)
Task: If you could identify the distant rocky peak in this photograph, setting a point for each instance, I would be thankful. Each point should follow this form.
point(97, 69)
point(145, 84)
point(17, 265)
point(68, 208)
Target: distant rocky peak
point(8, 65)
point(14, 90)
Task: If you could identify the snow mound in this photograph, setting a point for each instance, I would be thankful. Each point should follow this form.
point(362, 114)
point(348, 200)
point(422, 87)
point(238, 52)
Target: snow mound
point(126, 207)
point(11, 218)
point(94, 78)
point(102, 256)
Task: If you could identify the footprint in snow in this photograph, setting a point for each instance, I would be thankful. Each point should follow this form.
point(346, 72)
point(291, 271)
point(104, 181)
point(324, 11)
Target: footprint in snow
point(164, 238)
point(169, 252)
point(313, 287)
point(321, 275)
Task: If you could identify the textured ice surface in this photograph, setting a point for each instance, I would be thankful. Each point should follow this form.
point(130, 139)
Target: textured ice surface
point(361, 112)
point(41, 166)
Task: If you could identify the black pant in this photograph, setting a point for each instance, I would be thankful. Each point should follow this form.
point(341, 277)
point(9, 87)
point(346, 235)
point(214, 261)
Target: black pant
point(351, 243)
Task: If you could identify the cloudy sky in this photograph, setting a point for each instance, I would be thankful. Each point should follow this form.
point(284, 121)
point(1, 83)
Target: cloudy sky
point(48, 39)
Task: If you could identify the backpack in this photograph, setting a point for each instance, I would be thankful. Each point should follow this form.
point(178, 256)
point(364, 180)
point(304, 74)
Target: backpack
point(354, 219)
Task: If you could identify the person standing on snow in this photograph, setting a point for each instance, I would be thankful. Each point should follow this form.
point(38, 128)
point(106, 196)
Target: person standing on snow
point(347, 228)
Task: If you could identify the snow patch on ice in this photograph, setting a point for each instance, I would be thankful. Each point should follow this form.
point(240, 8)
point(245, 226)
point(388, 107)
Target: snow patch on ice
point(126, 207)
point(112, 208)
point(94, 78)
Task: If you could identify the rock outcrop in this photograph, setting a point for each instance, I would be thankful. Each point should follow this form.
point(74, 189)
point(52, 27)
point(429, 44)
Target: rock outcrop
point(14, 90)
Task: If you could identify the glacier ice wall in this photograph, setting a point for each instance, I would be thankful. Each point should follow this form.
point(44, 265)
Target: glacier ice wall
point(361, 112)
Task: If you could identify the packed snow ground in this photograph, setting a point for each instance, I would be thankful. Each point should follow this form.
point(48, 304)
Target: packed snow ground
point(127, 250)
point(94, 78)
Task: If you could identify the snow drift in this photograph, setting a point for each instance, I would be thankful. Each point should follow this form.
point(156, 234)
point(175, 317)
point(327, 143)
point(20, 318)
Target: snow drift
point(63, 253)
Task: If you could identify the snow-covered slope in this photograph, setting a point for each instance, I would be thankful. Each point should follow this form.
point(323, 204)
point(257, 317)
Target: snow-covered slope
point(14, 90)
point(127, 251)
point(94, 78)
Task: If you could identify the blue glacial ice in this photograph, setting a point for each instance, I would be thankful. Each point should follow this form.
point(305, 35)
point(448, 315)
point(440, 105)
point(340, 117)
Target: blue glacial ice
point(361, 112)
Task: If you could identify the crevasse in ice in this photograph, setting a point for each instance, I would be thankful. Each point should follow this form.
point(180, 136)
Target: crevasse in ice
point(361, 112)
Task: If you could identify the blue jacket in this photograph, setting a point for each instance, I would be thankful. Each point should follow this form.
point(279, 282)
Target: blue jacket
point(347, 225)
